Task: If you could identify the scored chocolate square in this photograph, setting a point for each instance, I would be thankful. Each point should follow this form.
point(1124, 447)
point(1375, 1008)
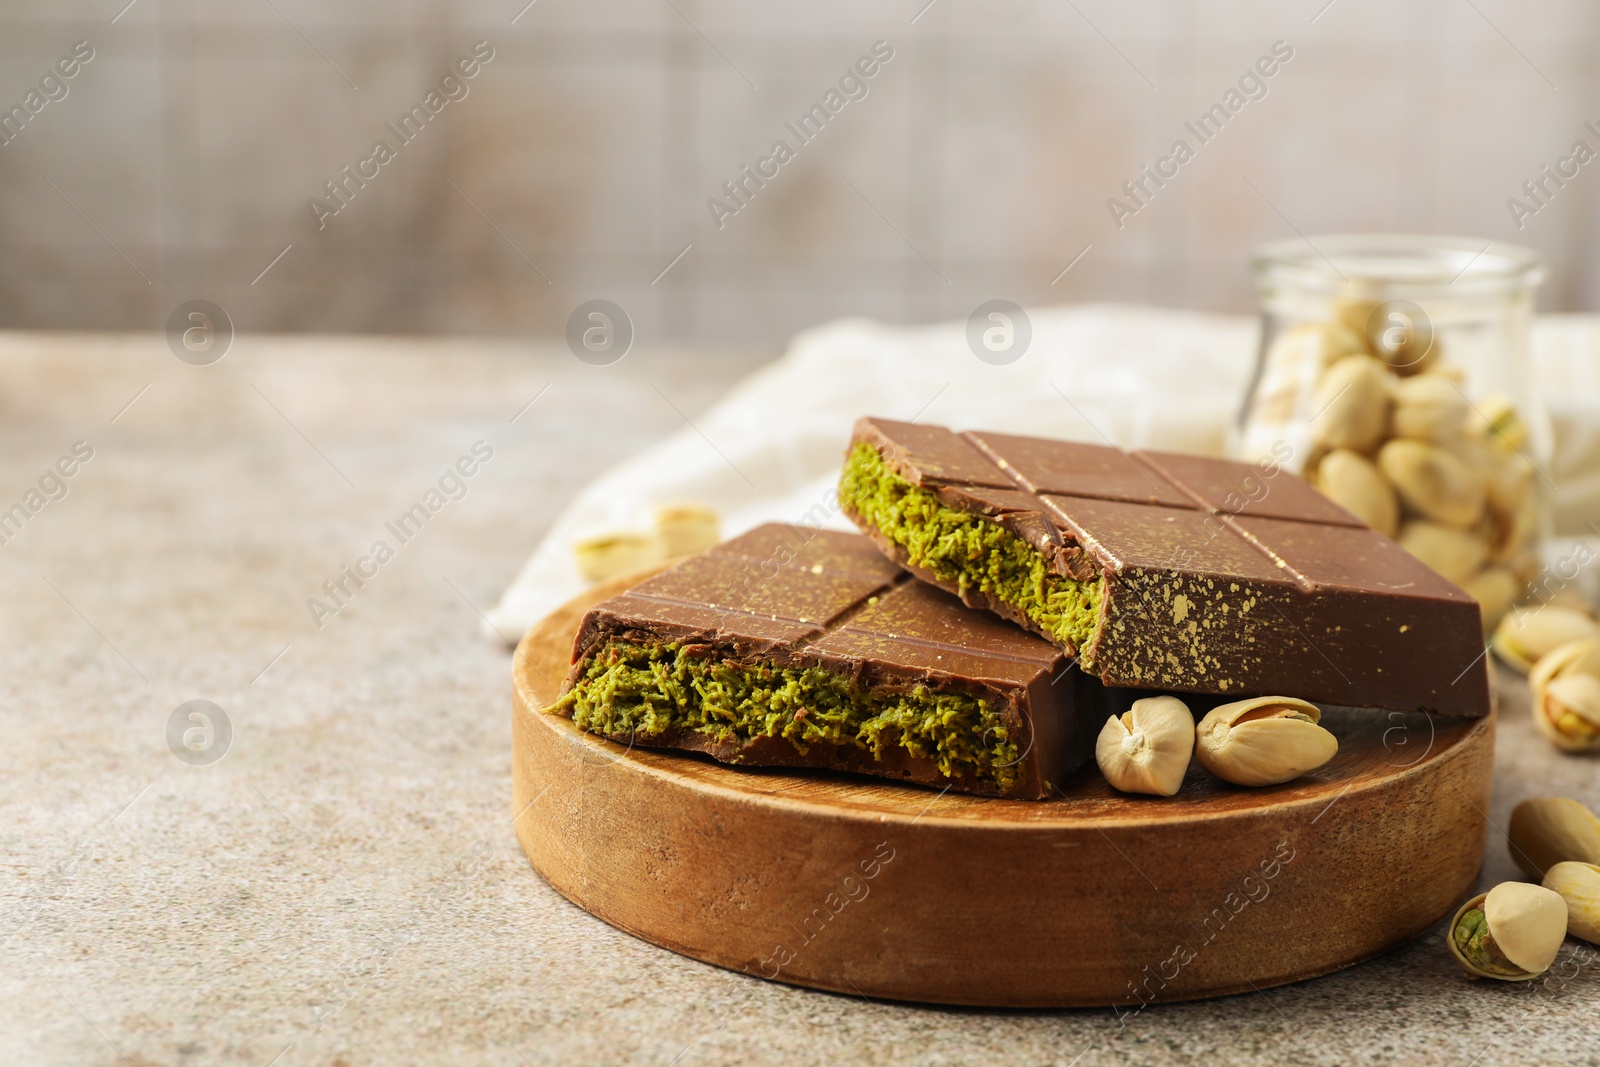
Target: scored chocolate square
point(790, 646)
point(1168, 571)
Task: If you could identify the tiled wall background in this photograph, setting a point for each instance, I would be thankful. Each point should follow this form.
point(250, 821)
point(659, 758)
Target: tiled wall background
point(579, 165)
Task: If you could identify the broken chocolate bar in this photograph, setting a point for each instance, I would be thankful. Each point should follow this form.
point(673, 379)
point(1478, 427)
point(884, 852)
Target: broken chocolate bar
point(1168, 571)
point(790, 646)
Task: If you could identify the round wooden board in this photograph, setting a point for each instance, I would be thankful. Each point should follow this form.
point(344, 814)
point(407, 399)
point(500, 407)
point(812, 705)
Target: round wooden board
point(1093, 899)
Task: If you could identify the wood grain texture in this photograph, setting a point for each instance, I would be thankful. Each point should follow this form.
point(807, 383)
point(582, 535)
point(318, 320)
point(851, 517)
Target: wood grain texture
point(1096, 898)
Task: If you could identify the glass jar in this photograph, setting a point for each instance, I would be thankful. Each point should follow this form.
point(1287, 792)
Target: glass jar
point(1394, 374)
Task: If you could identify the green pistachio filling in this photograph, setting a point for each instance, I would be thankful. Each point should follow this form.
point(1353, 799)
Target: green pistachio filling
point(969, 550)
point(1472, 938)
point(644, 691)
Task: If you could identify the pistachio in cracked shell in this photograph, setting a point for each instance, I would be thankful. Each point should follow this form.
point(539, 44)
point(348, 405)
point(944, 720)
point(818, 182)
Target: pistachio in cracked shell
point(1496, 418)
point(1433, 481)
point(1147, 748)
point(1526, 636)
point(1352, 404)
point(1579, 885)
point(1509, 479)
point(1264, 740)
point(1354, 482)
point(1294, 362)
point(1430, 407)
point(1545, 831)
point(1314, 344)
point(1455, 554)
point(1511, 933)
point(1400, 335)
point(1565, 684)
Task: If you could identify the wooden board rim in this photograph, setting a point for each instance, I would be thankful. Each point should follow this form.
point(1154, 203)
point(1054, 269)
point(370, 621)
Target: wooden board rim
point(615, 869)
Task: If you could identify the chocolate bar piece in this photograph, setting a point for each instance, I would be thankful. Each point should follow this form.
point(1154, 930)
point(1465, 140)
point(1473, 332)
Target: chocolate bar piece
point(1168, 571)
point(791, 646)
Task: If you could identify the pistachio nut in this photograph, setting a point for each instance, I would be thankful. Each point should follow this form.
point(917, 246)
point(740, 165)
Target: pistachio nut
point(686, 528)
point(1525, 637)
point(1392, 333)
point(1509, 480)
point(1429, 407)
point(1352, 404)
point(1579, 886)
point(1263, 741)
point(1575, 657)
point(1512, 932)
point(1512, 535)
point(1495, 589)
point(1545, 831)
point(1495, 418)
point(608, 555)
point(1353, 312)
point(1295, 361)
point(1147, 749)
point(1353, 482)
point(1567, 711)
point(1456, 554)
point(1433, 482)
point(1318, 345)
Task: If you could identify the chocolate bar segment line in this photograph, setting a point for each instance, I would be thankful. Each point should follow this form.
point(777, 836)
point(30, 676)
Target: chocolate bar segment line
point(1241, 580)
point(796, 647)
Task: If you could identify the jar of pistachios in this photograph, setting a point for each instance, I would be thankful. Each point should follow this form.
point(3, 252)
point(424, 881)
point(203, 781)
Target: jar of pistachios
point(1394, 374)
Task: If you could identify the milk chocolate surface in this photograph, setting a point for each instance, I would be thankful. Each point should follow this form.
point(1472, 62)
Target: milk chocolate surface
point(795, 597)
point(1219, 577)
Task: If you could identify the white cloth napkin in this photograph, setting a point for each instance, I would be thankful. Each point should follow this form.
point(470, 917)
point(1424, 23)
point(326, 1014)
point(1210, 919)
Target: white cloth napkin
point(1135, 377)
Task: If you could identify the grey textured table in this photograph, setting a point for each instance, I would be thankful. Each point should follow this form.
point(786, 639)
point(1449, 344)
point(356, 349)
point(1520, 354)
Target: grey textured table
point(343, 886)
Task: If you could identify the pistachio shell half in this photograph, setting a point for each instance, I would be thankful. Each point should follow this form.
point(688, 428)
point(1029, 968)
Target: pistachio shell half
point(1525, 637)
point(1352, 404)
point(1579, 886)
point(1263, 741)
point(1147, 748)
point(686, 528)
point(1511, 933)
point(1354, 482)
point(1545, 831)
point(1433, 482)
point(608, 555)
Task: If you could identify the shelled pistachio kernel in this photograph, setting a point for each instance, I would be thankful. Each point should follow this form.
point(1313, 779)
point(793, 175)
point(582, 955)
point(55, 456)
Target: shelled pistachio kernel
point(1511, 933)
point(1264, 740)
point(1147, 748)
point(1545, 831)
point(1579, 885)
